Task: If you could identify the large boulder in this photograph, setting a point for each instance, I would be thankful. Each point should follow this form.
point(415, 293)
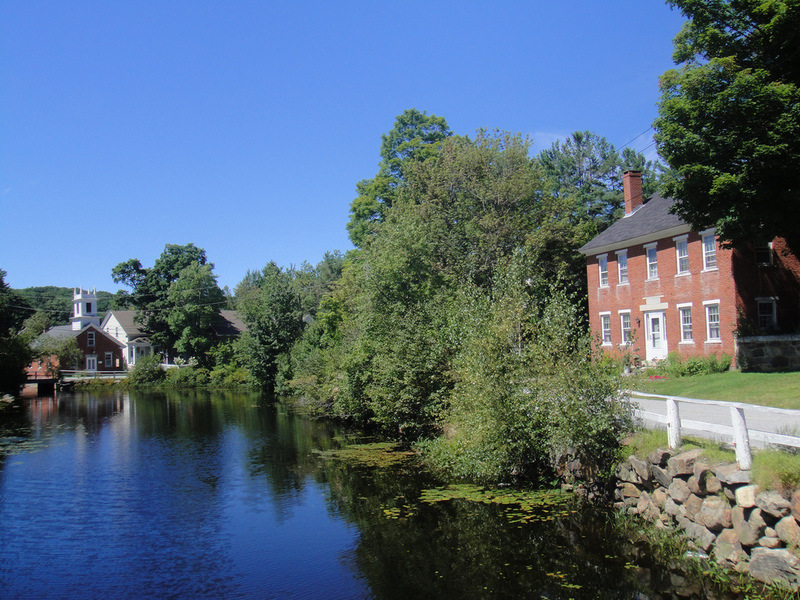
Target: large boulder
point(775, 566)
point(774, 504)
point(661, 476)
point(749, 531)
point(641, 467)
point(746, 495)
point(715, 514)
point(683, 463)
point(788, 531)
point(679, 491)
point(727, 549)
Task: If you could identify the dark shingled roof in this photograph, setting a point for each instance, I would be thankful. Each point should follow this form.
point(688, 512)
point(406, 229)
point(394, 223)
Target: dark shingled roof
point(652, 217)
point(230, 323)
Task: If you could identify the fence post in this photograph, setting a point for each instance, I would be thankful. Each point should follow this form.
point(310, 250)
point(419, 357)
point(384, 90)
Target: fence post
point(741, 438)
point(673, 423)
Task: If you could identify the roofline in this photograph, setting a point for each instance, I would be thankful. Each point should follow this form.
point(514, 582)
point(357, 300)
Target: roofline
point(642, 239)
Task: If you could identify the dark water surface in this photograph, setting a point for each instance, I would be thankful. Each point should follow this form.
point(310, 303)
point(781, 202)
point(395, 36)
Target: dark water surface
point(224, 496)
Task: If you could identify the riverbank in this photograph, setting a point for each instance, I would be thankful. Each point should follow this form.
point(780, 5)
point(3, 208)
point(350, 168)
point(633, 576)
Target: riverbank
point(725, 516)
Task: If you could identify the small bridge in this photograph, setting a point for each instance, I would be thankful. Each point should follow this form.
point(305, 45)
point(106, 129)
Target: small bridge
point(46, 384)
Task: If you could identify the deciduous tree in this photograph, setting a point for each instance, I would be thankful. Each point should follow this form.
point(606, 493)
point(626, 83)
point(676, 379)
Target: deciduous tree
point(729, 118)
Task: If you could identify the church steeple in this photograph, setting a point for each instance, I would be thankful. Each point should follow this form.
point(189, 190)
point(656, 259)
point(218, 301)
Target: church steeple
point(84, 308)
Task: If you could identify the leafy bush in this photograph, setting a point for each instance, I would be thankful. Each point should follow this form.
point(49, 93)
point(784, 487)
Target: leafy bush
point(147, 371)
point(187, 377)
point(517, 408)
point(678, 366)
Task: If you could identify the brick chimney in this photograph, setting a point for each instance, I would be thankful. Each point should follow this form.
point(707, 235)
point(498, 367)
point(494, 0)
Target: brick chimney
point(632, 189)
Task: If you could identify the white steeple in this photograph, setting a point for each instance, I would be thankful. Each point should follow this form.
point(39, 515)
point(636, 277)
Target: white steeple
point(84, 308)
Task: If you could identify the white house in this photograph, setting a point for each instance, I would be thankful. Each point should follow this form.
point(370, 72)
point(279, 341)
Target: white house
point(121, 325)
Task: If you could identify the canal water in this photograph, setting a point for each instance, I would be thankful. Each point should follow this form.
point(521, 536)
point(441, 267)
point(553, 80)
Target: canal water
point(198, 495)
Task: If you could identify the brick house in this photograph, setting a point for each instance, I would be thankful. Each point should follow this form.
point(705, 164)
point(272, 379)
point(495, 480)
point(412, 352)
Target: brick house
point(101, 351)
point(656, 286)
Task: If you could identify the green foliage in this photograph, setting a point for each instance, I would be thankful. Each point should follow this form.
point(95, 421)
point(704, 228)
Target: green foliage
point(729, 118)
point(273, 315)
point(66, 351)
point(175, 299)
point(679, 366)
point(14, 350)
point(527, 392)
point(187, 377)
point(196, 300)
point(415, 137)
point(147, 371)
point(587, 169)
point(56, 302)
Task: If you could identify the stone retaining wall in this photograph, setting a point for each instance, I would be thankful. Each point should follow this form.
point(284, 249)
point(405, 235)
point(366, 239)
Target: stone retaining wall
point(719, 509)
point(768, 353)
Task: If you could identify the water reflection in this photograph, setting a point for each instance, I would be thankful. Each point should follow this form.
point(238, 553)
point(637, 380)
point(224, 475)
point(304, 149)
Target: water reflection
point(224, 496)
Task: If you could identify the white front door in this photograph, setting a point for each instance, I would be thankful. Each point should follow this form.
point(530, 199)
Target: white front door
point(91, 362)
point(656, 334)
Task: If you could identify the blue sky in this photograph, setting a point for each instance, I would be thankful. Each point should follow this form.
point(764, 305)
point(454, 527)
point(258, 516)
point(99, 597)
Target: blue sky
point(243, 126)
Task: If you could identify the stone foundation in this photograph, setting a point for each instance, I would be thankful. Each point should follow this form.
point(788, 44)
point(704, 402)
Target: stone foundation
point(768, 353)
point(719, 509)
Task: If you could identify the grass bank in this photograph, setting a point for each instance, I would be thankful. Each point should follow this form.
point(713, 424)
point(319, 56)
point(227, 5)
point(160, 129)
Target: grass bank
point(780, 390)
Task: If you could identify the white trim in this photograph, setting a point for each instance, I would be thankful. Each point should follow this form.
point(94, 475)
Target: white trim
point(681, 238)
point(684, 305)
point(707, 302)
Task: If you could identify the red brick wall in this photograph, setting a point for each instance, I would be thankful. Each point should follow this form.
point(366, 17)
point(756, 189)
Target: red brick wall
point(102, 344)
point(696, 287)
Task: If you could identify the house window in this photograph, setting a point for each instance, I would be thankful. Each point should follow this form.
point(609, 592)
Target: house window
point(763, 251)
point(622, 266)
point(712, 322)
point(652, 262)
point(709, 252)
point(682, 252)
point(90, 339)
point(625, 323)
point(109, 359)
point(686, 323)
point(602, 261)
point(605, 324)
point(88, 308)
point(767, 313)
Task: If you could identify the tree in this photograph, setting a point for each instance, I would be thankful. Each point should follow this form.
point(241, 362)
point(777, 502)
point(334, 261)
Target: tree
point(150, 293)
point(729, 118)
point(273, 315)
point(14, 351)
point(415, 137)
point(587, 169)
point(196, 300)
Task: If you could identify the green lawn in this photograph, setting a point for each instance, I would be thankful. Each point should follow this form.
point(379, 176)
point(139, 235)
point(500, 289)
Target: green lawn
point(781, 390)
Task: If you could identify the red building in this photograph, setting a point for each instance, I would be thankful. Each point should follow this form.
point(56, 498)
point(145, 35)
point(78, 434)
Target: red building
point(101, 351)
point(656, 286)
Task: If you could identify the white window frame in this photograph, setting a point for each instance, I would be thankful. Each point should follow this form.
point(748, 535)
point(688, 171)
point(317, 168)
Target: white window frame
point(686, 308)
point(622, 267)
point(652, 266)
point(605, 328)
point(708, 305)
point(681, 243)
point(709, 240)
point(767, 301)
point(602, 264)
point(627, 340)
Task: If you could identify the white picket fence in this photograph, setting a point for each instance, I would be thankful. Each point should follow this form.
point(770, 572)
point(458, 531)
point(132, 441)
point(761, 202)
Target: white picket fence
point(712, 414)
